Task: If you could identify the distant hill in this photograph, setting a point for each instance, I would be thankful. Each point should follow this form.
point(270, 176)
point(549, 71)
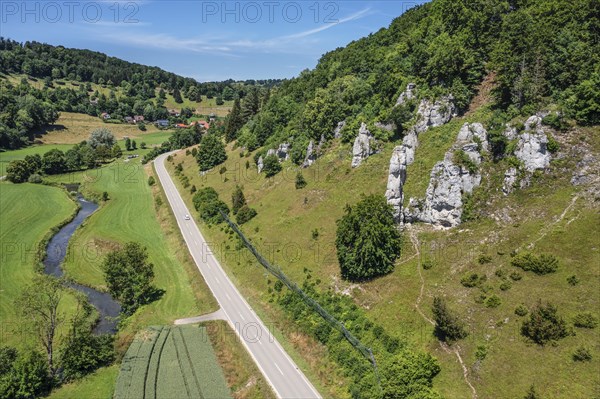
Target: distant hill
point(39, 80)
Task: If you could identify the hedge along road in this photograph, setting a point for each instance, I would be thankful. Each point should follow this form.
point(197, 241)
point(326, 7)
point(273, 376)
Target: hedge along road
point(284, 376)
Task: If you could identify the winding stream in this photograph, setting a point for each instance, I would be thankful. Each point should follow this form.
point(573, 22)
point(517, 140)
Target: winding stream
point(56, 251)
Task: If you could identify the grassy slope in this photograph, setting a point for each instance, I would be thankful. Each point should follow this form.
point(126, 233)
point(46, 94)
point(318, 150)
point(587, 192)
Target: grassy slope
point(99, 385)
point(287, 216)
point(27, 213)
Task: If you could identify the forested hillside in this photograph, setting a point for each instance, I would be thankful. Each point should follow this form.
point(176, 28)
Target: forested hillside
point(541, 52)
point(88, 82)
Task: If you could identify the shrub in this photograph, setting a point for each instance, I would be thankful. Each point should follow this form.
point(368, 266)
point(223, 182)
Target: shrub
point(552, 145)
point(151, 181)
point(105, 196)
point(245, 213)
point(193, 189)
point(222, 170)
point(315, 234)
point(35, 179)
point(271, 165)
point(483, 259)
point(521, 310)
point(585, 320)
point(463, 160)
point(367, 240)
point(238, 200)
point(300, 181)
point(427, 264)
point(573, 280)
point(481, 352)
point(544, 325)
point(500, 273)
point(143, 145)
point(492, 301)
point(448, 327)
point(505, 285)
point(555, 121)
point(543, 264)
point(532, 393)
point(516, 276)
point(582, 354)
point(472, 280)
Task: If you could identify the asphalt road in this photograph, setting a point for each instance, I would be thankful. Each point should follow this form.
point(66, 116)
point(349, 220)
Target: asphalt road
point(284, 376)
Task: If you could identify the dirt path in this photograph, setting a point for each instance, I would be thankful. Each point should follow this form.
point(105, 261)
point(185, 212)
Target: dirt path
point(547, 229)
point(456, 349)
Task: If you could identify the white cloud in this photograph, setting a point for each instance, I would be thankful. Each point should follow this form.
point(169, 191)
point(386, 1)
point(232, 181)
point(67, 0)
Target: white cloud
point(302, 41)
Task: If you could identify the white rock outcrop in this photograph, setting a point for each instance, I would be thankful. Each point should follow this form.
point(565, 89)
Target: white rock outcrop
point(337, 132)
point(443, 203)
point(407, 94)
point(260, 164)
point(510, 179)
point(396, 179)
point(364, 146)
point(432, 114)
point(532, 146)
point(283, 151)
point(429, 114)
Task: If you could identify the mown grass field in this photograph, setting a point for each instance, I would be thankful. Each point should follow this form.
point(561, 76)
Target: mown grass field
point(287, 217)
point(99, 385)
point(72, 128)
point(171, 362)
point(27, 213)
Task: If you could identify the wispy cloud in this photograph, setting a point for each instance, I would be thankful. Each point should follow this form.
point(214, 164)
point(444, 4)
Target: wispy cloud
point(357, 15)
point(226, 45)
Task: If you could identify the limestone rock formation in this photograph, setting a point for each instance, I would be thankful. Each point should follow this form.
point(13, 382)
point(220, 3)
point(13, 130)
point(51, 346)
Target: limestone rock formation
point(396, 179)
point(437, 113)
point(510, 179)
point(337, 132)
point(364, 146)
point(260, 164)
point(443, 203)
point(407, 94)
point(283, 151)
point(312, 152)
point(532, 147)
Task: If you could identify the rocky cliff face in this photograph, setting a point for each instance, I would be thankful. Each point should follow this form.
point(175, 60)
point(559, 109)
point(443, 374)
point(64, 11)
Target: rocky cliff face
point(428, 115)
point(364, 146)
point(432, 114)
point(532, 147)
point(531, 150)
point(449, 181)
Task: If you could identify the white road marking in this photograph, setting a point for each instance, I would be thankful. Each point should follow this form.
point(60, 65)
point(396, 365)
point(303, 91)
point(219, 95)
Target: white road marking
point(278, 368)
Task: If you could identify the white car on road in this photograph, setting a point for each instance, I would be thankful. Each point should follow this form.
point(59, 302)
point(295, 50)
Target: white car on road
point(187, 217)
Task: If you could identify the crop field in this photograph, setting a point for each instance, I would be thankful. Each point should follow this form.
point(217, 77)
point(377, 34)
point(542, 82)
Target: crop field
point(171, 362)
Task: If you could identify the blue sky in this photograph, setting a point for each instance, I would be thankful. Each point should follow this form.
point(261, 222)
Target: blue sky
point(206, 40)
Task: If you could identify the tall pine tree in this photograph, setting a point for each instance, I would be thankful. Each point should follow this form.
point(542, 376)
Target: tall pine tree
point(235, 121)
point(177, 96)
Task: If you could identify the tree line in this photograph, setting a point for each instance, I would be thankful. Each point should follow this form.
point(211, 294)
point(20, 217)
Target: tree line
point(101, 147)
